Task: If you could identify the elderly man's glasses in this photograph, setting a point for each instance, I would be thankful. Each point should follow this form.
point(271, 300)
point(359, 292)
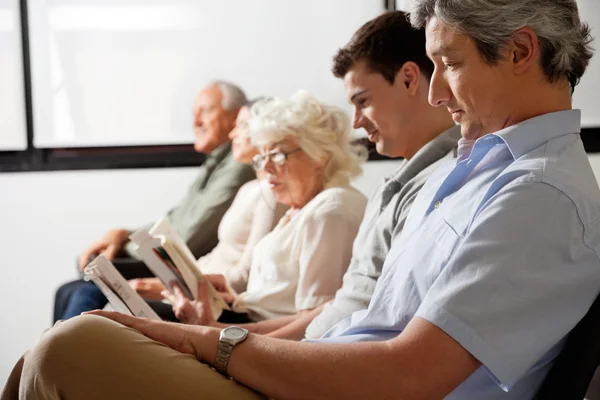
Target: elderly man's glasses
point(277, 157)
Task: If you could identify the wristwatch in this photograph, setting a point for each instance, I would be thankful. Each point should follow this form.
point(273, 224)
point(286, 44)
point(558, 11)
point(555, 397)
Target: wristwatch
point(229, 338)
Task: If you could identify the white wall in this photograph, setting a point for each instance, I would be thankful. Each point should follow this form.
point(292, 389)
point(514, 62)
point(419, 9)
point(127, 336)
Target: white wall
point(47, 219)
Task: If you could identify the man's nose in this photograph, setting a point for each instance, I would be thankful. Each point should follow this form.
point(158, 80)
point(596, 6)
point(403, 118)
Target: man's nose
point(439, 90)
point(358, 119)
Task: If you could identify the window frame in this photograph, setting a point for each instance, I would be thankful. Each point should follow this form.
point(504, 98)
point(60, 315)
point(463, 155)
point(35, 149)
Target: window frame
point(125, 157)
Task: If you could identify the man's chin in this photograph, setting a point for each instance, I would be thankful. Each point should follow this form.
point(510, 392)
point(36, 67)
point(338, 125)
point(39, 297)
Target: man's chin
point(382, 149)
point(200, 147)
point(471, 131)
point(386, 151)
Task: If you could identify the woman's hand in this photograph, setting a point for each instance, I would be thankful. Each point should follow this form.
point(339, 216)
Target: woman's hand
point(220, 283)
point(194, 340)
point(195, 312)
point(148, 288)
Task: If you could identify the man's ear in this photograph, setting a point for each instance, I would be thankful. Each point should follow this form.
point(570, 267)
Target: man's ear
point(524, 50)
point(409, 77)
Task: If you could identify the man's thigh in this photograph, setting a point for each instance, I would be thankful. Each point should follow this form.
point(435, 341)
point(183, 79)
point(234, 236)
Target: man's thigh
point(95, 358)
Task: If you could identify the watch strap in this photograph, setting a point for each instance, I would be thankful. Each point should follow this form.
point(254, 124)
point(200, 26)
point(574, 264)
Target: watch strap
point(223, 353)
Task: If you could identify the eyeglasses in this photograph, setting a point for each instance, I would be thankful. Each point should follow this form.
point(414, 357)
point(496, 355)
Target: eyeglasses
point(278, 157)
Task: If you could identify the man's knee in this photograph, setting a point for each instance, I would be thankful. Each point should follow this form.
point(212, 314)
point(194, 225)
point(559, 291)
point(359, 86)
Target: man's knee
point(70, 342)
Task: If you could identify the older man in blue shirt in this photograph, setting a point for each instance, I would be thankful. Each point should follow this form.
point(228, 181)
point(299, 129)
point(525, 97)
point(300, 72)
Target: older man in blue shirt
point(498, 260)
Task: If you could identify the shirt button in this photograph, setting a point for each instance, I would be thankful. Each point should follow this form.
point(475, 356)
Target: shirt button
point(437, 204)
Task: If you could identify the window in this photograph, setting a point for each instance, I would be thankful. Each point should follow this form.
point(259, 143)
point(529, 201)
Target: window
point(110, 83)
point(12, 103)
point(114, 73)
point(586, 93)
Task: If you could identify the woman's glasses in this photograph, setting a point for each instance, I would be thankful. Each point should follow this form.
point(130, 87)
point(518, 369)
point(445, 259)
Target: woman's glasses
point(277, 157)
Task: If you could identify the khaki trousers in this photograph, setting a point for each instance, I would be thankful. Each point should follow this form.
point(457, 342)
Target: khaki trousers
point(91, 357)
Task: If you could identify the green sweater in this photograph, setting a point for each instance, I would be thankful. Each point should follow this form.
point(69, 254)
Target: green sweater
point(196, 218)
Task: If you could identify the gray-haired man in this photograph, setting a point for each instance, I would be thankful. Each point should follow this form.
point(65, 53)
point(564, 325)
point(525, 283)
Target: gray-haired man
point(196, 218)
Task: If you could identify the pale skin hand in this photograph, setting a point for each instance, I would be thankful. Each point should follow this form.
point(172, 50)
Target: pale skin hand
point(198, 312)
point(195, 312)
point(220, 283)
point(110, 245)
point(422, 363)
point(148, 288)
point(179, 337)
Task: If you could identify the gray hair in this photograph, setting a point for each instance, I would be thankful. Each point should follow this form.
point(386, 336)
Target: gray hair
point(565, 42)
point(233, 97)
point(322, 131)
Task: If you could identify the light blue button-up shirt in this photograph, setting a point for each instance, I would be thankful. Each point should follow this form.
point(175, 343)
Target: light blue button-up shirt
point(501, 251)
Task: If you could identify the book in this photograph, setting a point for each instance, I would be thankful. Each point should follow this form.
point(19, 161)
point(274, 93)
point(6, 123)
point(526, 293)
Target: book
point(116, 289)
point(168, 257)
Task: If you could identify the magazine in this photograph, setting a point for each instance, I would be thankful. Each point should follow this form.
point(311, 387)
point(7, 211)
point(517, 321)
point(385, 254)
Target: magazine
point(169, 258)
point(116, 289)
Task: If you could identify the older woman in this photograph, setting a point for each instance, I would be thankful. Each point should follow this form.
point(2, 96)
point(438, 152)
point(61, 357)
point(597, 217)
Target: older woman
point(306, 158)
point(253, 213)
point(307, 161)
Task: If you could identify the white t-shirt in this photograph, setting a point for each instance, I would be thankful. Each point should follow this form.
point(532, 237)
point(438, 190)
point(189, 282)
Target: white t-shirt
point(253, 213)
point(300, 264)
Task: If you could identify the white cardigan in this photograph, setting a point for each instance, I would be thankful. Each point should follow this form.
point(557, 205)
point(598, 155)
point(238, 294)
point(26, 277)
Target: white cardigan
point(300, 264)
point(253, 213)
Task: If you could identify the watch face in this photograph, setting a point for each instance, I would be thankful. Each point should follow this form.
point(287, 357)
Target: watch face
point(234, 333)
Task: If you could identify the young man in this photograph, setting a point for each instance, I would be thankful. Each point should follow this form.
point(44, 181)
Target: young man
point(196, 218)
point(497, 262)
point(386, 75)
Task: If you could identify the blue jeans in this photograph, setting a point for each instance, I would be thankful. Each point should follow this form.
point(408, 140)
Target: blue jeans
point(76, 297)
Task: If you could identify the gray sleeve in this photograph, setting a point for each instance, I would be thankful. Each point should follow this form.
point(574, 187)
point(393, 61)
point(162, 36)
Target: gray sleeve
point(130, 248)
point(361, 277)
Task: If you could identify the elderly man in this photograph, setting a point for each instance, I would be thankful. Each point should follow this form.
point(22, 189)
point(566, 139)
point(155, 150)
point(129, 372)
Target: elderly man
point(197, 216)
point(497, 262)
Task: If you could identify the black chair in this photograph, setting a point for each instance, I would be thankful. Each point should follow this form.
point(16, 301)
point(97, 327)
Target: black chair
point(573, 369)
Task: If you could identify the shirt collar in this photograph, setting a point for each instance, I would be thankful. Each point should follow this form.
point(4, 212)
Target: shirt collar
point(218, 154)
point(432, 151)
point(529, 134)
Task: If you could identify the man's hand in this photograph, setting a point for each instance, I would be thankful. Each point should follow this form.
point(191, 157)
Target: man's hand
point(220, 283)
point(195, 312)
point(148, 288)
point(110, 245)
point(199, 341)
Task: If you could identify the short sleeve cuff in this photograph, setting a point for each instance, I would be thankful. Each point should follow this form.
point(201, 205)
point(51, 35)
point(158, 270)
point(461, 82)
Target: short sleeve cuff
point(311, 302)
point(499, 369)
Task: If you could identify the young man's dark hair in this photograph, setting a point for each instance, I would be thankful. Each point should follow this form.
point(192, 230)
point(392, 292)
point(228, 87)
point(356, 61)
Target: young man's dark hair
point(385, 43)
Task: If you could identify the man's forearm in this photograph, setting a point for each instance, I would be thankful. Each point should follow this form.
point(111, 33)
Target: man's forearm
point(423, 362)
point(286, 369)
point(291, 370)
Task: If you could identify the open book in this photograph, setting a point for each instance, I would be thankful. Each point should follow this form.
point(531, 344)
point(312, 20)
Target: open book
point(116, 289)
point(169, 258)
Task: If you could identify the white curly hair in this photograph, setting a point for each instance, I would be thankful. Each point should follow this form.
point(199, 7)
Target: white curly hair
point(322, 132)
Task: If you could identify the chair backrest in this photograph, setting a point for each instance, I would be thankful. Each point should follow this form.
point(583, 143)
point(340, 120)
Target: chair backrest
point(573, 369)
